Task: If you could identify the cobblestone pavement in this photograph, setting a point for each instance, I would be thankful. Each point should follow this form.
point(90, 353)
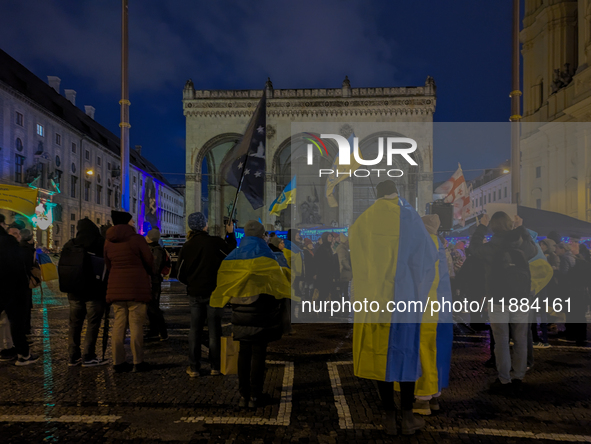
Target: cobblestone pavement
point(314, 395)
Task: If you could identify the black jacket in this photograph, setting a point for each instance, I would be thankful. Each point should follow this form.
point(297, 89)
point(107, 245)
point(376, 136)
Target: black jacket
point(199, 261)
point(14, 275)
point(159, 258)
point(89, 238)
point(518, 239)
point(259, 321)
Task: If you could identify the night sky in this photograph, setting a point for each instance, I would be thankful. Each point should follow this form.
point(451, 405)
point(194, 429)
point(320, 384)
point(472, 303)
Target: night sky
point(465, 45)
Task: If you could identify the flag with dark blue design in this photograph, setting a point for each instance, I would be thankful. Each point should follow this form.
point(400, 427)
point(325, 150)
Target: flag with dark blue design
point(246, 160)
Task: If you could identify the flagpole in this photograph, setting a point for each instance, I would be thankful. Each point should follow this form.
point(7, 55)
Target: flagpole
point(515, 111)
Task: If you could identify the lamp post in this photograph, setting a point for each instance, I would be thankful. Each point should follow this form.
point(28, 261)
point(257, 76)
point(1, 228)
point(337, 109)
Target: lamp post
point(88, 173)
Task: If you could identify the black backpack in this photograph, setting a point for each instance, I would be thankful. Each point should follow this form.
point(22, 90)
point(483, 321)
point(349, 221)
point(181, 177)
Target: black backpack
point(510, 275)
point(74, 269)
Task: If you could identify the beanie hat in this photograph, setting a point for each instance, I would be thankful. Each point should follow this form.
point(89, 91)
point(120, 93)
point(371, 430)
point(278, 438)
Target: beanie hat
point(120, 217)
point(154, 235)
point(550, 244)
point(431, 222)
point(197, 221)
point(26, 235)
point(254, 228)
point(276, 241)
point(308, 242)
point(386, 188)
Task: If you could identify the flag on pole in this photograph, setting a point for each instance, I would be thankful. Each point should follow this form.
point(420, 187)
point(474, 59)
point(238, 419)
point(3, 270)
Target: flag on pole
point(287, 196)
point(341, 172)
point(456, 192)
point(246, 160)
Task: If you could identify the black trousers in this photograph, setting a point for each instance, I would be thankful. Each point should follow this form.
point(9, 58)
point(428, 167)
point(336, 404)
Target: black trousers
point(28, 311)
point(93, 312)
point(407, 395)
point(155, 314)
point(16, 311)
point(251, 368)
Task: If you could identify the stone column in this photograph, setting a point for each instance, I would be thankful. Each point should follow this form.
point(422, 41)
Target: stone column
point(345, 203)
point(215, 214)
point(270, 195)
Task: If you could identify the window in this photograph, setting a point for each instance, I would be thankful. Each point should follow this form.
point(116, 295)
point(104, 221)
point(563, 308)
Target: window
point(72, 216)
point(58, 139)
point(134, 179)
point(494, 196)
point(99, 194)
point(109, 197)
point(98, 220)
point(18, 168)
point(485, 199)
point(19, 144)
point(134, 205)
point(98, 161)
point(20, 119)
point(109, 166)
point(87, 155)
point(505, 191)
point(116, 198)
point(73, 186)
point(57, 177)
point(538, 172)
point(72, 231)
point(40, 130)
point(539, 204)
point(73, 147)
point(489, 201)
point(86, 190)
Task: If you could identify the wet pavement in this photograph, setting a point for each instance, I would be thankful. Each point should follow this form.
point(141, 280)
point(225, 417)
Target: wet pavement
point(314, 396)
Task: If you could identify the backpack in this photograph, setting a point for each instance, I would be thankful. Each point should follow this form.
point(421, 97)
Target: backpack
point(73, 269)
point(166, 265)
point(510, 275)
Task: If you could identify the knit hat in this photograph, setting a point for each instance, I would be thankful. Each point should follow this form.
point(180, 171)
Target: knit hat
point(550, 244)
point(276, 241)
point(307, 242)
point(120, 217)
point(386, 188)
point(26, 235)
point(197, 221)
point(254, 228)
point(431, 222)
point(153, 235)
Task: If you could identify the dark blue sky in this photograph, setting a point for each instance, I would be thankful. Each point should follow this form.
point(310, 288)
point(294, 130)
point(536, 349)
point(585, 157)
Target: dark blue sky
point(465, 45)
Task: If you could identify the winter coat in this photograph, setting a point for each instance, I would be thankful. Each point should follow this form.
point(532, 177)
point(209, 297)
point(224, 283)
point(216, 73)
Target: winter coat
point(89, 238)
point(13, 270)
point(344, 256)
point(129, 261)
point(258, 321)
point(518, 239)
point(199, 261)
point(471, 277)
point(326, 266)
point(159, 258)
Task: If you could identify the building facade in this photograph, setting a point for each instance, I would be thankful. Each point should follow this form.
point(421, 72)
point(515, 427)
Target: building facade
point(215, 121)
point(46, 141)
point(493, 186)
point(555, 133)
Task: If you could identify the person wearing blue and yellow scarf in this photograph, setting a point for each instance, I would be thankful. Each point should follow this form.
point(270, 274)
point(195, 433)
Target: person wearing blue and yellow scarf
point(436, 332)
point(393, 261)
point(252, 280)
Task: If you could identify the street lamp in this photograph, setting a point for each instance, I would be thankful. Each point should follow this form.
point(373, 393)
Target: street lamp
point(506, 171)
point(88, 172)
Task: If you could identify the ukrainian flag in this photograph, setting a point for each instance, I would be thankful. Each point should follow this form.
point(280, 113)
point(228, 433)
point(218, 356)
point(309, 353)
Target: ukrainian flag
point(287, 196)
point(293, 255)
point(436, 333)
point(334, 179)
point(393, 259)
point(250, 270)
point(539, 268)
point(48, 268)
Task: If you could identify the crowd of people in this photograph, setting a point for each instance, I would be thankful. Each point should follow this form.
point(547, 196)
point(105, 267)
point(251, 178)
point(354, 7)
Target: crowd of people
point(404, 259)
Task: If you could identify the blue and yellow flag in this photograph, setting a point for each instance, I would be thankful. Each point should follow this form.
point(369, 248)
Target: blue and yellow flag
point(293, 254)
point(436, 332)
point(539, 268)
point(48, 268)
point(287, 196)
point(393, 259)
point(250, 270)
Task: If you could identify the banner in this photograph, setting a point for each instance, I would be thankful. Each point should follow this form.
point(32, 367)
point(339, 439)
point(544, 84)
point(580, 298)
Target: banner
point(21, 200)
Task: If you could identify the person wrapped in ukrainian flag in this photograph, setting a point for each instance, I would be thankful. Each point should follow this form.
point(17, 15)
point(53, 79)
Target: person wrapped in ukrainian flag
point(252, 281)
point(436, 332)
point(393, 259)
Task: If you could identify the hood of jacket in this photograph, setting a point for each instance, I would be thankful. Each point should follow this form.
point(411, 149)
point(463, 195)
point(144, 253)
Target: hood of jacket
point(120, 233)
point(87, 233)
point(511, 238)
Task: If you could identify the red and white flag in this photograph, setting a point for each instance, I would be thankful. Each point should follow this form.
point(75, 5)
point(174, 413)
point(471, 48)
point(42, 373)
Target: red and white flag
point(456, 192)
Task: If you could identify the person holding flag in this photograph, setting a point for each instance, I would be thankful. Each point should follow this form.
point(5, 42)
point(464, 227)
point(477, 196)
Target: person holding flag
point(251, 279)
point(455, 191)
